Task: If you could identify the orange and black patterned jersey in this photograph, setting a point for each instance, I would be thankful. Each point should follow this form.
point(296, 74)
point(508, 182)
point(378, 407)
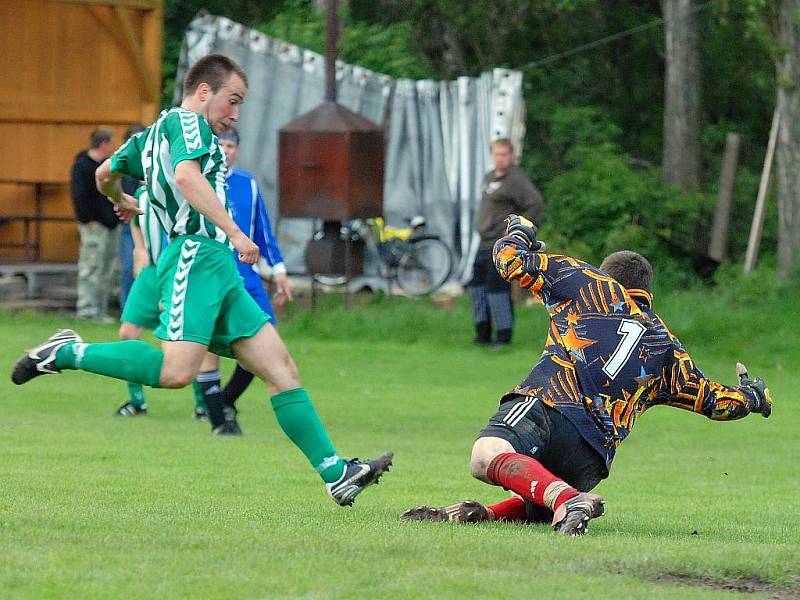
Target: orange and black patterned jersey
point(608, 357)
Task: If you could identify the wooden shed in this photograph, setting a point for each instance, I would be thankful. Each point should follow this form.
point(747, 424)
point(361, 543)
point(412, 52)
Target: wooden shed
point(68, 67)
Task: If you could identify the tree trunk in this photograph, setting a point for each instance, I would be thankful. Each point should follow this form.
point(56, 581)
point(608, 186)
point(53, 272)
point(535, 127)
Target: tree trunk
point(718, 249)
point(788, 176)
point(682, 86)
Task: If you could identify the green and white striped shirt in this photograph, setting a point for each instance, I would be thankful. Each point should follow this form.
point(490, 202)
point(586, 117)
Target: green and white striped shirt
point(152, 155)
point(155, 240)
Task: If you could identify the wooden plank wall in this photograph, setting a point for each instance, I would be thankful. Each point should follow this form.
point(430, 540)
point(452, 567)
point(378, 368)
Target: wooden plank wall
point(68, 67)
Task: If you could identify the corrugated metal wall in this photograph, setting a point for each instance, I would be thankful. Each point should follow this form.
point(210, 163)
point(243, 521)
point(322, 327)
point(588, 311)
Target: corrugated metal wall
point(438, 132)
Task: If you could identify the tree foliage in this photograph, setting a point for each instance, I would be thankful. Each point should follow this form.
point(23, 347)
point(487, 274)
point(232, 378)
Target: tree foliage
point(385, 49)
point(595, 117)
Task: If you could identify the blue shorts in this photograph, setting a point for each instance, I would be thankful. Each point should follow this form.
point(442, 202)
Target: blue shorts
point(259, 294)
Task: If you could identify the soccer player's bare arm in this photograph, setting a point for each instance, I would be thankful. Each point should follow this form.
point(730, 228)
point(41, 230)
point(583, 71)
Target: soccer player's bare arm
point(109, 183)
point(140, 257)
point(199, 193)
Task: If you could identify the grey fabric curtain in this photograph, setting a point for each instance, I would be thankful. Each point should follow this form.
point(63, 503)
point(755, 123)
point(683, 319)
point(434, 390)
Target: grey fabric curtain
point(437, 133)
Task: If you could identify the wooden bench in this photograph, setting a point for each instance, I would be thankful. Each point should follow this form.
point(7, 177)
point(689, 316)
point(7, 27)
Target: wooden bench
point(38, 274)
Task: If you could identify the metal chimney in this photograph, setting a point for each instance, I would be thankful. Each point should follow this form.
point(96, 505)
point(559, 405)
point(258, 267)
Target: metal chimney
point(331, 160)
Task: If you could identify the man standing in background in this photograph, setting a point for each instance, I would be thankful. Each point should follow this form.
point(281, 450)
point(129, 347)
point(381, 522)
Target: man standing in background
point(505, 190)
point(98, 229)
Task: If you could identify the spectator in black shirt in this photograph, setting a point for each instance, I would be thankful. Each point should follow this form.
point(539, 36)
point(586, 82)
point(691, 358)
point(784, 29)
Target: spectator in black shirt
point(97, 224)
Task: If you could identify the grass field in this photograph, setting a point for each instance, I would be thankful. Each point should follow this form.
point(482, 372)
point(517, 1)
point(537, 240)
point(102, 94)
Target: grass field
point(98, 507)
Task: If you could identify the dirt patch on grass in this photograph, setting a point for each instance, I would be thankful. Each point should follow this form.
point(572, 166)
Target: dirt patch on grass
point(742, 586)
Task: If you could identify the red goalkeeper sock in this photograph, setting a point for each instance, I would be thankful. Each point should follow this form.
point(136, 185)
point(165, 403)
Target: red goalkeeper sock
point(511, 509)
point(527, 477)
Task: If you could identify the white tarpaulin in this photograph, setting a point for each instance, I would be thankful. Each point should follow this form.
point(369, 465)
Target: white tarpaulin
point(437, 132)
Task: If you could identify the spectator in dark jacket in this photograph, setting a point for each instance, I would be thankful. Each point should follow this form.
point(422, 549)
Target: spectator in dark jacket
point(97, 224)
point(505, 189)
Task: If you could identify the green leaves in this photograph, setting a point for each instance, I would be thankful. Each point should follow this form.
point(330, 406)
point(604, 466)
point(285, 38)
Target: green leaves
point(384, 48)
point(601, 200)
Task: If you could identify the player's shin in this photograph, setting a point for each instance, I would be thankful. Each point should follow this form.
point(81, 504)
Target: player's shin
point(211, 386)
point(527, 477)
point(132, 360)
point(510, 509)
point(136, 393)
point(300, 422)
point(199, 400)
point(237, 384)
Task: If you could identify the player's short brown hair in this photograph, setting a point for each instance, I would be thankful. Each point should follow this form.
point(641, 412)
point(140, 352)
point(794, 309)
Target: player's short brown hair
point(213, 69)
point(503, 142)
point(630, 269)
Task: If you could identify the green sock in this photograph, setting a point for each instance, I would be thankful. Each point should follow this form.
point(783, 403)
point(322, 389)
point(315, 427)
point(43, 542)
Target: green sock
point(199, 401)
point(132, 360)
point(301, 424)
point(136, 392)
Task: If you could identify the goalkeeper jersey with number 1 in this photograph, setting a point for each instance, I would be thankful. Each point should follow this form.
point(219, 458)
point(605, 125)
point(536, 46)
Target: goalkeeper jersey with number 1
point(152, 155)
point(608, 357)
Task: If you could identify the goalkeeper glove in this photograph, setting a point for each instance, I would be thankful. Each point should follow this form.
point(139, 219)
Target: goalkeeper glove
point(760, 390)
point(523, 230)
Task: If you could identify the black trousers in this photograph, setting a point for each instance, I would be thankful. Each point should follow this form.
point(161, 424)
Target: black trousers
point(491, 296)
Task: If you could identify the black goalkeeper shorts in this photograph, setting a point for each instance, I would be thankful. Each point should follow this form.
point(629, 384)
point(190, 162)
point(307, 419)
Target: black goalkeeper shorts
point(541, 432)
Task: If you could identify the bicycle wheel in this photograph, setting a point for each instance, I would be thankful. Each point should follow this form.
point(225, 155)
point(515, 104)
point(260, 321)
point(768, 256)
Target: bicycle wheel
point(424, 266)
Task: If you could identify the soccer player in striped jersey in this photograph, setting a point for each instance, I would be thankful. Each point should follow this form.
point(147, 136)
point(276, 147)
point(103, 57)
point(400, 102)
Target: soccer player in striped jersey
point(203, 296)
point(608, 358)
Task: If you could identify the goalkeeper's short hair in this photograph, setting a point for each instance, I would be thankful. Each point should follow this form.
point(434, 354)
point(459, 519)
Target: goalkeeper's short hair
point(630, 269)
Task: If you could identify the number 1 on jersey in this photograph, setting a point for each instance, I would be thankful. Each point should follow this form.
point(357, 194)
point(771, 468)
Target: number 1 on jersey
point(631, 332)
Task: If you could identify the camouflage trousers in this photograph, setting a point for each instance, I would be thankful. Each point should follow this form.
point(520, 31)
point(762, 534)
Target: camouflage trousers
point(96, 267)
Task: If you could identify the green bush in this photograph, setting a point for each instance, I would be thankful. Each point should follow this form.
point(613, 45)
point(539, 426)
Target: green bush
point(602, 201)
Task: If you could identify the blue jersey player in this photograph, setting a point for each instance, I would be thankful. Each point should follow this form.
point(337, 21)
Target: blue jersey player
point(249, 211)
point(608, 358)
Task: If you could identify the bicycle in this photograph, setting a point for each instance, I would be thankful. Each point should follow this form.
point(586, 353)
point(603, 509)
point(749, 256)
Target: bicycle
point(418, 262)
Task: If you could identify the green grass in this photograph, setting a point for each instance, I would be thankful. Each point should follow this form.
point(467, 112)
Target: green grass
point(98, 507)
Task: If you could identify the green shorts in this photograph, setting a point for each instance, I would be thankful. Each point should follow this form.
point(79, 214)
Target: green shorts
point(141, 307)
point(203, 296)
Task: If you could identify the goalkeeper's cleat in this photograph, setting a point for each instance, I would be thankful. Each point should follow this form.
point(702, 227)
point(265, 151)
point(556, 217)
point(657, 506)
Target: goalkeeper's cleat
point(129, 409)
point(200, 414)
point(41, 360)
point(572, 517)
point(469, 511)
point(357, 476)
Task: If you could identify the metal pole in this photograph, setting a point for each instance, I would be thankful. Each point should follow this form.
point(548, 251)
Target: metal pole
point(331, 39)
point(763, 188)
